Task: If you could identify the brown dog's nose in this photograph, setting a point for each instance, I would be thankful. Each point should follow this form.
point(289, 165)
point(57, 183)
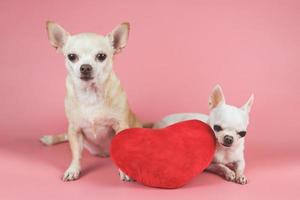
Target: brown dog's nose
point(86, 69)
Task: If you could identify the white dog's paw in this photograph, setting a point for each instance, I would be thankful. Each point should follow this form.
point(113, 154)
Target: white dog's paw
point(124, 177)
point(47, 140)
point(71, 174)
point(242, 179)
point(230, 175)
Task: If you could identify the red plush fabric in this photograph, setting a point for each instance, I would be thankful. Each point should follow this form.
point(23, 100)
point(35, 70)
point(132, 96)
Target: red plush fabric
point(164, 158)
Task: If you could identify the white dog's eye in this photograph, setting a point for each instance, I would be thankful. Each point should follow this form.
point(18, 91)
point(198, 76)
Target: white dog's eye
point(72, 57)
point(100, 57)
point(242, 133)
point(217, 128)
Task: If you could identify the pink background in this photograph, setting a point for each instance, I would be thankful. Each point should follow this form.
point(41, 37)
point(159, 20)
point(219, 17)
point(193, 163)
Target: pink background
point(177, 52)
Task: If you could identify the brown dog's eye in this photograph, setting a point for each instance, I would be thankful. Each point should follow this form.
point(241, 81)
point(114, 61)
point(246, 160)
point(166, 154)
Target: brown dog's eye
point(242, 133)
point(217, 128)
point(100, 57)
point(72, 57)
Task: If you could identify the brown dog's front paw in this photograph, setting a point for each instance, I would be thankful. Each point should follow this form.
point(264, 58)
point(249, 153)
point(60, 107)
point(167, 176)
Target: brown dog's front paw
point(125, 177)
point(71, 174)
point(242, 179)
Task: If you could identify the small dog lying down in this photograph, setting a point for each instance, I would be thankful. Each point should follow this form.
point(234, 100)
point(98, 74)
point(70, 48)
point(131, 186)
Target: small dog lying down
point(230, 126)
point(96, 105)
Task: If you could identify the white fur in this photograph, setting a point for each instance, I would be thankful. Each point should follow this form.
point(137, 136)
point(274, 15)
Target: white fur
point(228, 161)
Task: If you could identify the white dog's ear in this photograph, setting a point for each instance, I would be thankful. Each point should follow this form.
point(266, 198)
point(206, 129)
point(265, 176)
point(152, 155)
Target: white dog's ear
point(119, 36)
point(247, 106)
point(216, 97)
point(57, 35)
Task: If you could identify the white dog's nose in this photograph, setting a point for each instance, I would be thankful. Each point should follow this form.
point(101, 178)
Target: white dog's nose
point(228, 140)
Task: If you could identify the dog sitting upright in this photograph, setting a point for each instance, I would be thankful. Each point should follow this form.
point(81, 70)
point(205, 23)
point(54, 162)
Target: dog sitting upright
point(230, 125)
point(95, 103)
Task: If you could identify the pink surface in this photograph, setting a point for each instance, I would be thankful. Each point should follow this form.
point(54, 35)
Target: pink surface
point(177, 52)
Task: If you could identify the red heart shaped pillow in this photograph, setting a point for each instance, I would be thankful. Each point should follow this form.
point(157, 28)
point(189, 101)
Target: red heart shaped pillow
point(164, 158)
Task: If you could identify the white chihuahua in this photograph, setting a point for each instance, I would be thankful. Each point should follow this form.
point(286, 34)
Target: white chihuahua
point(230, 126)
point(96, 105)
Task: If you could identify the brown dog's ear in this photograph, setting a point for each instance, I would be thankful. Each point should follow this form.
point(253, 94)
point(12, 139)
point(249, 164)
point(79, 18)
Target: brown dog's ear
point(56, 34)
point(216, 97)
point(119, 36)
point(247, 106)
